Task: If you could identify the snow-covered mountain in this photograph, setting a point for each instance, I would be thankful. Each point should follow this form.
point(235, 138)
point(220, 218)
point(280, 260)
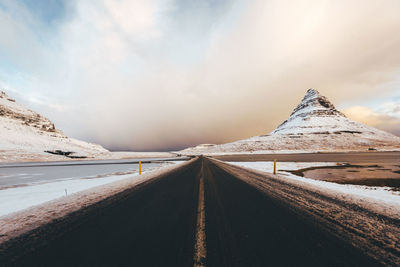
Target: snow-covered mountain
point(26, 135)
point(314, 125)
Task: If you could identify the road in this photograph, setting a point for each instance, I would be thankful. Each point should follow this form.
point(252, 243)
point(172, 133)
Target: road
point(21, 174)
point(202, 214)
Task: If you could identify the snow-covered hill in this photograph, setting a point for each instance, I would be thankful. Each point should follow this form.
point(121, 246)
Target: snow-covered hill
point(314, 125)
point(26, 135)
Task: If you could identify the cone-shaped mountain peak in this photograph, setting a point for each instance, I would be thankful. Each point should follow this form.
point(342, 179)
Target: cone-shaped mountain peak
point(314, 103)
point(313, 107)
point(314, 125)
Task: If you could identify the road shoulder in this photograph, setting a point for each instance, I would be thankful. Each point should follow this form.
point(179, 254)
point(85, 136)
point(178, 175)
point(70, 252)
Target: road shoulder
point(19, 223)
point(374, 229)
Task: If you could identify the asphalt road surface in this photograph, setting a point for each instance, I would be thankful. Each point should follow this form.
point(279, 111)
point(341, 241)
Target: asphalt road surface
point(198, 215)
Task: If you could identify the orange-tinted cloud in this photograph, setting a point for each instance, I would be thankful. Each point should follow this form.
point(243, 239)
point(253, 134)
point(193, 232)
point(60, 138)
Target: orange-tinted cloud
point(373, 118)
point(153, 82)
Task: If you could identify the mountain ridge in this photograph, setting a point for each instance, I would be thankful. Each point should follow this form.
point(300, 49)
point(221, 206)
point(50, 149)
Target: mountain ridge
point(315, 125)
point(27, 135)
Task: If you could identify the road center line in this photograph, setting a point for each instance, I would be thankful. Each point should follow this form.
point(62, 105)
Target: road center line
point(200, 251)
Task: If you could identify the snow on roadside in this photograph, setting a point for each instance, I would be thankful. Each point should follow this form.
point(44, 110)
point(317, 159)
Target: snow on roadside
point(384, 194)
point(19, 198)
point(18, 223)
point(267, 166)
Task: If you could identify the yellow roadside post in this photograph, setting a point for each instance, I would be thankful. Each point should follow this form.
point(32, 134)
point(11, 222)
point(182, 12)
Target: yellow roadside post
point(140, 167)
point(274, 166)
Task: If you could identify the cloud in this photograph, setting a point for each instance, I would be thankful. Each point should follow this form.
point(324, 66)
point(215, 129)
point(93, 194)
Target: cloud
point(383, 121)
point(151, 75)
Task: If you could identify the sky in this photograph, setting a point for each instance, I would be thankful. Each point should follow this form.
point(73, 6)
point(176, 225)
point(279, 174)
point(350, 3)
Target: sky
point(157, 75)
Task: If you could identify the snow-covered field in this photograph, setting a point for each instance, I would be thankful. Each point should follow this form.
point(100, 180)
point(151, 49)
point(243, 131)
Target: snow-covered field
point(134, 155)
point(19, 198)
point(384, 194)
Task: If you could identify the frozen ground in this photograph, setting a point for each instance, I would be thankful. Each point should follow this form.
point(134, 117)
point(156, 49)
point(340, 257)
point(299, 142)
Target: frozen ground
point(384, 194)
point(21, 197)
point(134, 155)
point(22, 174)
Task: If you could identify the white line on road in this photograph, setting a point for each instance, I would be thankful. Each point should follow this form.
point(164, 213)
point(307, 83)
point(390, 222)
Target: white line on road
point(200, 251)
